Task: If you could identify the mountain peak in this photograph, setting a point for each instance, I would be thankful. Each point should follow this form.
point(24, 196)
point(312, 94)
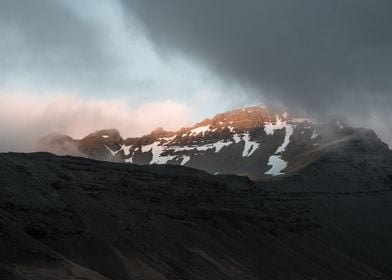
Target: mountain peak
point(248, 141)
point(247, 117)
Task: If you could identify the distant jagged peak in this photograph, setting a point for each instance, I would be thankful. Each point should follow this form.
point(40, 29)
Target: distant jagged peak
point(251, 111)
point(247, 118)
point(92, 144)
point(161, 133)
point(110, 133)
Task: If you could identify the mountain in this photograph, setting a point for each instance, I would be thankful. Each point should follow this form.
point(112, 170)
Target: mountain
point(77, 218)
point(250, 141)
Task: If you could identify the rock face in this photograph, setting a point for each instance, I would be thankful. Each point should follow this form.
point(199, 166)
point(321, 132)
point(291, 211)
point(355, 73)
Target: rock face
point(250, 141)
point(76, 218)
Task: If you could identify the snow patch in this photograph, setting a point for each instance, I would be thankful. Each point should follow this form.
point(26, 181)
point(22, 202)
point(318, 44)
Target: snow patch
point(237, 138)
point(278, 164)
point(105, 136)
point(126, 149)
point(168, 139)
point(275, 161)
point(201, 129)
point(111, 151)
point(250, 146)
point(220, 144)
point(185, 159)
point(157, 150)
point(270, 127)
point(339, 124)
point(183, 148)
point(286, 142)
point(217, 146)
point(314, 135)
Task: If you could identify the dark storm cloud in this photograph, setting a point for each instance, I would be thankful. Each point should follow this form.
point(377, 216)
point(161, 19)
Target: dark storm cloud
point(324, 56)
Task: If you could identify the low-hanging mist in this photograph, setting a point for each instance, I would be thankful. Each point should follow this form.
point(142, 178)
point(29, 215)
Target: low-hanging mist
point(27, 118)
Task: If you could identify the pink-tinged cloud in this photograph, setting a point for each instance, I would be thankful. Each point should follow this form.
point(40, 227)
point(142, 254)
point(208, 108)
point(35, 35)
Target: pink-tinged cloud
point(24, 118)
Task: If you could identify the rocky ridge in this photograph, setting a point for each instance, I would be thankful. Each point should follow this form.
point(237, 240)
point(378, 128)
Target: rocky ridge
point(249, 141)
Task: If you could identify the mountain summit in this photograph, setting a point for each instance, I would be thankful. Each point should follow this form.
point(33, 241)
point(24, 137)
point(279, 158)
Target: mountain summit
point(249, 141)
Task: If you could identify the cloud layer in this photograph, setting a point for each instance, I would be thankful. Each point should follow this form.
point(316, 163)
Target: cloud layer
point(323, 57)
point(27, 117)
point(91, 48)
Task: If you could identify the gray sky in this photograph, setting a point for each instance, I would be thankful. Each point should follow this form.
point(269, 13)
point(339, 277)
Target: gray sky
point(91, 47)
point(171, 62)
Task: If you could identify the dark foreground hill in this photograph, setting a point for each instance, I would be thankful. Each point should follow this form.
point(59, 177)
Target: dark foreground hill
point(75, 218)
